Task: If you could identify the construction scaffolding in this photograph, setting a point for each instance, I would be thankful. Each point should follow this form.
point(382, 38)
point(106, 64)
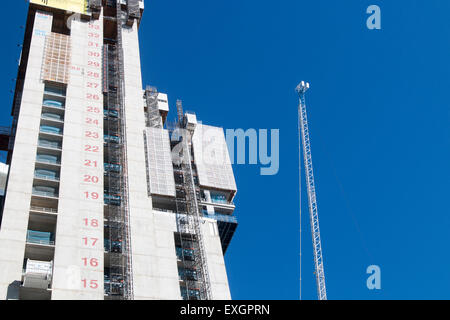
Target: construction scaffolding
point(154, 119)
point(57, 55)
point(95, 5)
point(194, 273)
point(118, 272)
point(134, 12)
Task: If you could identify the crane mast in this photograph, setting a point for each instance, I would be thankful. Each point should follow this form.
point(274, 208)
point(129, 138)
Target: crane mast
point(311, 190)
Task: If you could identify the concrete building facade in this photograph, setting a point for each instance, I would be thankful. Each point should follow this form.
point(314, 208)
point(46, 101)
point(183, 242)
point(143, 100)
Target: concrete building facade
point(104, 198)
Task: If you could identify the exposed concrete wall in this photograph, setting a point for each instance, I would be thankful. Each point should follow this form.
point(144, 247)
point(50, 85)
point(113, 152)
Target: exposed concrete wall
point(215, 261)
point(155, 273)
point(76, 275)
point(142, 226)
point(166, 269)
point(17, 204)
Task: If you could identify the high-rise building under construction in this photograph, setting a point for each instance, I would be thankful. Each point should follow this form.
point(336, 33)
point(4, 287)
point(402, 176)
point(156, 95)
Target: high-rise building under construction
point(104, 198)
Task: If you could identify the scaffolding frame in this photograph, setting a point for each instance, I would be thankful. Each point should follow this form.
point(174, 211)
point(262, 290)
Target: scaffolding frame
point(134, 12)
point(116, 182)
point(57, 54)
point(189, 219)
point(95, 5)
point(154, 119)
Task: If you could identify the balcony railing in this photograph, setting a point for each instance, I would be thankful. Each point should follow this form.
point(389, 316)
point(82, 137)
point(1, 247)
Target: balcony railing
point(218, 201)
point(42, 242)
point(61, 120)
point(220, 217)
point(42, 209)
point(46, 161)
point(51, 131)
point(55, 93)
point(46, 177)
point(54, 106)
point(52, 145)
point(39, 237)
point(45, 194)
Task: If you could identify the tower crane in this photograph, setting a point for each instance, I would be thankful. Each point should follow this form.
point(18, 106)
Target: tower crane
point(305, 144)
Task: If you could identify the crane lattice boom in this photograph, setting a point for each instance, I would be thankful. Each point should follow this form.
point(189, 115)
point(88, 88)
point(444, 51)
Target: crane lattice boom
point(311, 189)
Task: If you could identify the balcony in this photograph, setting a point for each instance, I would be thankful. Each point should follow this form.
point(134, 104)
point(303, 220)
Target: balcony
point(217, 199)
point(53, 92)
point(45, 177)
point(41, 238)
point(45, 191)
point(44, 201)
point(226, 225)
point(54, 103)
point(50, 144)
point(43, 210)
point(220, 217)
point(37, 274)
point(47, 160)
point(52, 117)
point(51, 131)
point(49, 176)
point(45, 194)
point(40, 245)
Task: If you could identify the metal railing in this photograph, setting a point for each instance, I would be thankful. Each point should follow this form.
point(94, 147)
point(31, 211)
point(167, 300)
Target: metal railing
point(43, 242)
point(163, 210)
point(46, 242)
point(219, 202)
point(49, 131)
point(53, 106)
point(45, 194)
point(47, 161)
point(43, 209)
point(52, 119)
point(54, 93)
point(221, 217)
point(45, 177)
point(49, 145)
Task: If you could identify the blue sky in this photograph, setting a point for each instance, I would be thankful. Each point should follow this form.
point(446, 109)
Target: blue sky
point(379, 119)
